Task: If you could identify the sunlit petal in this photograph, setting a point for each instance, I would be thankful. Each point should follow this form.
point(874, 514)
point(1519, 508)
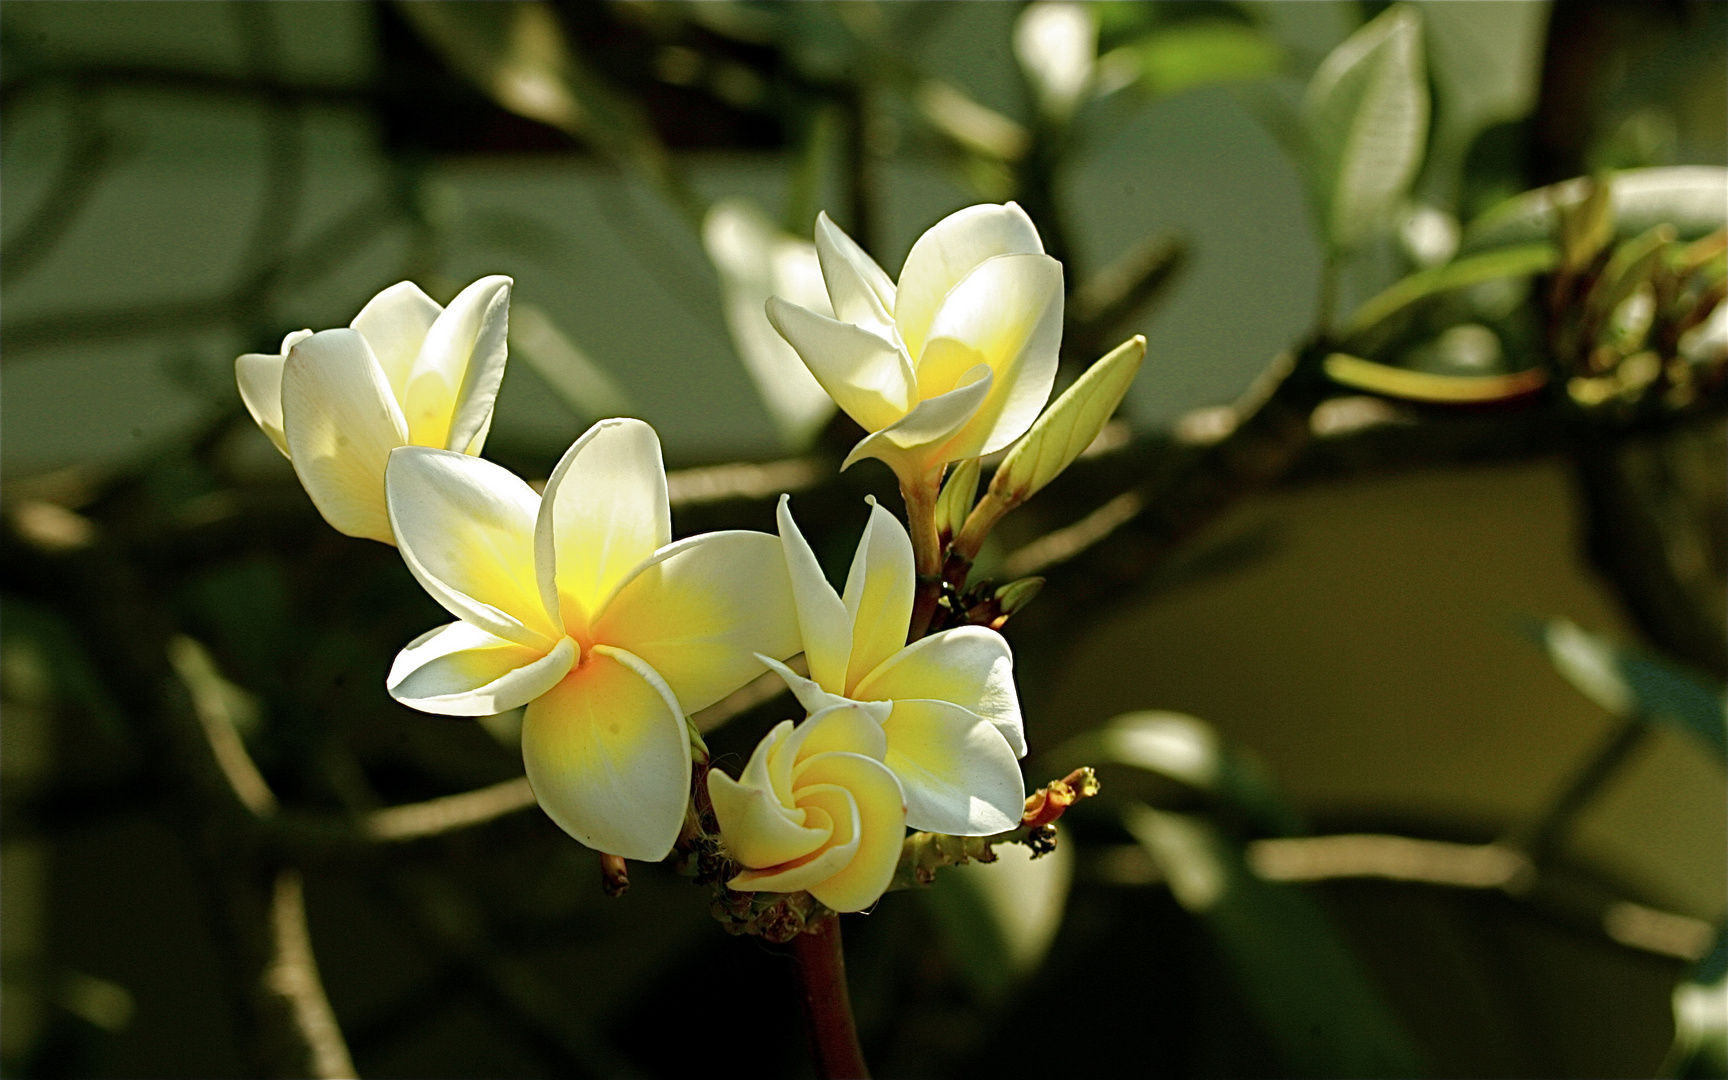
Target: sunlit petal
point(859, 290)
point(959, 774)
point(1007, 313)
point(759, 830)
point(823, 621)
point(259, 376)
point(466, 529)
point(970, 666)
point(603, 514)
point(947, 253)
point(809, 693)
point(394, 323)
point(865, 374)
point(798, 874)
point(608, 756)
point(881, 809)
point(461, 670)
point(917, 440)
point(455, 376)
point(879, 590)
point(701, 609)
point(340, 423)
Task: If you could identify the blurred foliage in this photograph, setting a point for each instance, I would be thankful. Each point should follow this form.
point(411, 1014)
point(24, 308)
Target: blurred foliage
point(1516, 244)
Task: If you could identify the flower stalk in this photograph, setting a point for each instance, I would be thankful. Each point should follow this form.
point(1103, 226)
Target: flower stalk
point(827, 1004)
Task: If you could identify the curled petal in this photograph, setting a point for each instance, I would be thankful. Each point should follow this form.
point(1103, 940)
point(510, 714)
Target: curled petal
point(809, 693)
point(881, 810)
point(603, 514)
point(340, 423)
point(823, 621)
point(394, 323)
point(866, 375)
point(969, 666)
point(759, 829)
point(466, 529)
point(455, 376)
point(852, 727)
point(812, 869)
point(259, 376)
point(947, 253)
point(461, 670)
point(1006, 313)
point(700, 609)
point(919, 440)
point(859, 290)
point(959, 773)
point(879, 590)
point(608, 756)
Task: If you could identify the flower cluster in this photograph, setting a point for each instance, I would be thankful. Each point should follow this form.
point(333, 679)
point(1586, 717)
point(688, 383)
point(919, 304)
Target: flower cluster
point(576, 603)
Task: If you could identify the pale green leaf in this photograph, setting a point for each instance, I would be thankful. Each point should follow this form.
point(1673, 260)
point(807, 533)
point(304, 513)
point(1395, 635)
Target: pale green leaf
point(1365, 114)
point(1692, 198)
point(1473, 270)
point(1376, 378)
point(1068, 426)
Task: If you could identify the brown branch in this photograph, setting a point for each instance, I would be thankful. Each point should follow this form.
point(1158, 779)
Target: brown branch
point(827, 1003)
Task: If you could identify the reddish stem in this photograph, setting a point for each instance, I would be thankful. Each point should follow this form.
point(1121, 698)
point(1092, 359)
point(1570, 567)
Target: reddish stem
point(827, 1005)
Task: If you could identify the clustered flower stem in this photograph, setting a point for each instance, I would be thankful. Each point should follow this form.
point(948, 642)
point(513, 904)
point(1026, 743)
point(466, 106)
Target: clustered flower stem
point(921, 495)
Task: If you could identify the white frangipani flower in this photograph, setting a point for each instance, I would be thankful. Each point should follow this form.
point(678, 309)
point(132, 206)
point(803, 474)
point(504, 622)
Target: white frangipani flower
point(405, 372)
point(576, 604)
point(954, 361)
point(815, 810)
point(946, 703)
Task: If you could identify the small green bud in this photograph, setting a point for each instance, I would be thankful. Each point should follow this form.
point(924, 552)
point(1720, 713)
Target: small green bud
point(1069, 425)
point(957, 497)
point(1017, 594)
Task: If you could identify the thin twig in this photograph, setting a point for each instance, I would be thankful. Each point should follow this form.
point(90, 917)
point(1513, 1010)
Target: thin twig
point(414, 821)
point(293, 975)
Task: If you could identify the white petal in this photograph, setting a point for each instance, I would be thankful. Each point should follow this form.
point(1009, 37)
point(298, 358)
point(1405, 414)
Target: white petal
point(947, 253)
point(823, 621)
point(455, 376)
point(809, 693)
point(466, 530)
point(879, 590)
point(970, 666)
point(866, 375)
point(959, 773)
point(340, 423)
point(603, 514)
point(859, 290)
point(461, 670)
point(919, 441)
point(608, 756)
point(699, 609)
point(1007, 313)
point(852, 727)
point(394, 323)
point(259, 376)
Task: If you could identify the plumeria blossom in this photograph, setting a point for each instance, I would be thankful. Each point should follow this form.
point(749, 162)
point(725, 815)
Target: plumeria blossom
point(955, 360)
point(815, 810)
point(405, 372)
point(946, 703)
point(575, 603)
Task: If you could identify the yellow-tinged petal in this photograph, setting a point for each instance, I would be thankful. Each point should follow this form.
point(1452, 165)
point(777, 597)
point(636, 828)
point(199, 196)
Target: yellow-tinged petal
point(858, 288)
point(881, 810)
point(259, 376)
point(920, 439)
point(608, 756)
point(455, 376)
point(461, 670)
point(823, 621)
point(970, 666)
point(603, 514)
point(947, 253)
point(394, 323)
point(798, 874)
point(852, 727)
point(760, 831)
point(878, 597)
point(701, 609)
point(340, 423)
point(1006, 313)
point(809, 693)
point(958, 772)
point(866, 374)
point(466, 530)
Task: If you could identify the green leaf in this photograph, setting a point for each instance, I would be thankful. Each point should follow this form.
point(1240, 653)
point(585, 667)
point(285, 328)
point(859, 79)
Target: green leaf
point(1200, 53)
point(1366, 118)
point(1067, 427)
point(1360, 374)
point(1190, 751)
point(1473, 270)
point(1295, 972)
point(1692, 198)
point(1627, 682)
point(581, 383)
point(999, 919)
